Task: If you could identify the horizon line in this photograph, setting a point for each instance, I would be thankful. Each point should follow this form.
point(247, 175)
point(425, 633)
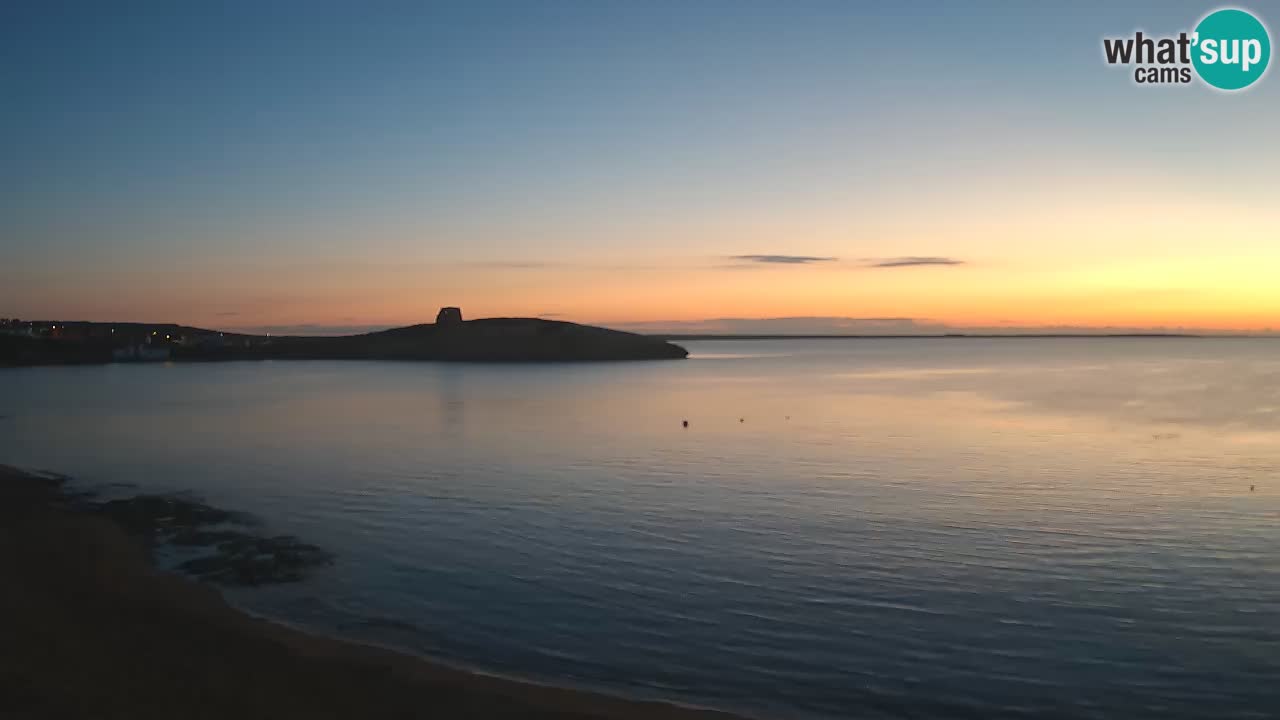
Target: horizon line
point(925, 330)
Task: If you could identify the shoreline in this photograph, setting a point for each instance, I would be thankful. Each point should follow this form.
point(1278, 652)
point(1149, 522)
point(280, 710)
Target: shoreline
point(94, 629)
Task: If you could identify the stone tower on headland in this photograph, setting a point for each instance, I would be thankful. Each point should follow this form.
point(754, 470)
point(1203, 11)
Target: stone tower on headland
point(449, 316)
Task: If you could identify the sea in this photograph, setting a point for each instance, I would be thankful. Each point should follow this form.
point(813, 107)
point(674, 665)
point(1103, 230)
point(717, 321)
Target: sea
point(846, 528)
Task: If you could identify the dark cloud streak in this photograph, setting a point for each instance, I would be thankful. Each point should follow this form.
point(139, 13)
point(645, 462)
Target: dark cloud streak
point(911, 261)
point(783, 259)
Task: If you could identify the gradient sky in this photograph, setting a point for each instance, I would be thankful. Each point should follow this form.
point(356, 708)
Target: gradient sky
point(353, 164)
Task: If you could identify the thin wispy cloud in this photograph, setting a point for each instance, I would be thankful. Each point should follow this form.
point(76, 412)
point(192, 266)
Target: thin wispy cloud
point(515, 264)
point(911, 261)
point(783, 259)
point(558, 265)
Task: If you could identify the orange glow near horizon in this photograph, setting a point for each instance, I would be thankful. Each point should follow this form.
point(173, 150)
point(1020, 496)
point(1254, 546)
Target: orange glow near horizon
point(1017, 252)
point(1227, 296)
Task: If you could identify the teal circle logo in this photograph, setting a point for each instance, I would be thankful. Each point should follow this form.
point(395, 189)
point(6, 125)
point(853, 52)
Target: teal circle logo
point(1232, 49)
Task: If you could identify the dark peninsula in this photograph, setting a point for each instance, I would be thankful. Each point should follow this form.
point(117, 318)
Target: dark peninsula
point(450, 338)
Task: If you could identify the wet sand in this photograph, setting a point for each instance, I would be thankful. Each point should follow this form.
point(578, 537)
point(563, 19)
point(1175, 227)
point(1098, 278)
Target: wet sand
point(89, 629)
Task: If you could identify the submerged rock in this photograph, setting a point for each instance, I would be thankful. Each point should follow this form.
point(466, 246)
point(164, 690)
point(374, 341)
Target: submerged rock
point(150, 514)
point(239, 557)
point(248, 560)
point(203, 538)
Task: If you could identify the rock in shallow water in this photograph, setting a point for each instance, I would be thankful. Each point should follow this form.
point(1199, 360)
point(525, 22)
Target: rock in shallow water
point(151, 514)
point(249, 560)
point(239, 558)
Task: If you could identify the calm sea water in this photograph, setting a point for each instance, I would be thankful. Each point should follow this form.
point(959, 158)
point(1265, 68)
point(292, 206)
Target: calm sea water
point(847, 528)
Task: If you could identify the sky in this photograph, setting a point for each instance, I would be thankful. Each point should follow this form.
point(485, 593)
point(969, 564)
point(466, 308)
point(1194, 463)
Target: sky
point(686, 165)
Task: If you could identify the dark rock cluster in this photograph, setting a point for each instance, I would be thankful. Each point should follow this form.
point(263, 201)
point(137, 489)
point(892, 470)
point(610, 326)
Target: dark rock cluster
point(154, 515)
point(237, 558)
point(250, 560)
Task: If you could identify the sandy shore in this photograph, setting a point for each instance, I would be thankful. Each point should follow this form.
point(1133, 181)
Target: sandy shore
point(89, 629)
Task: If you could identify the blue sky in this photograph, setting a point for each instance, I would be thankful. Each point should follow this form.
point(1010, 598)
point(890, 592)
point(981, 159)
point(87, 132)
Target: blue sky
point(339, 163)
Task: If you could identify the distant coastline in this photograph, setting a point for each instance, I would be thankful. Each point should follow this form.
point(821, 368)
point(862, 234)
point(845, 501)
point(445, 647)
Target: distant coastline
point(450, 338)
point(943, 336)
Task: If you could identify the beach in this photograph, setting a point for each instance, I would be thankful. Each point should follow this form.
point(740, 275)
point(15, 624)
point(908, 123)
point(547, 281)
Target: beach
point(91, 629)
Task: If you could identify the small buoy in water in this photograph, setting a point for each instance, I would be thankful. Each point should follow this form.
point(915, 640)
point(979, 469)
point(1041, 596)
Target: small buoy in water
point(685, 423)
